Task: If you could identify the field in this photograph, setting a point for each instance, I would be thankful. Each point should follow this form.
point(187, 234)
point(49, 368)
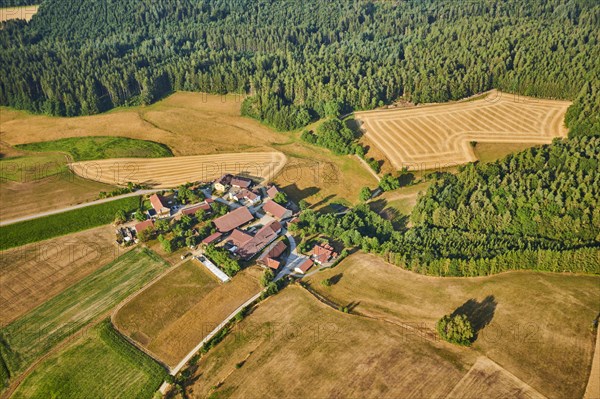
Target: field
point(26, 232)
point(38, 331)
point(536, 325)
point(490, 152)
point(438, 136)
point(25, 12)
point(172, 172)
point(34, 273)
point(32, 167)
point(400, 202)
point(173, 315)
point(93, 148)
point(202, 124)
point(294, 346)
point(102, 364)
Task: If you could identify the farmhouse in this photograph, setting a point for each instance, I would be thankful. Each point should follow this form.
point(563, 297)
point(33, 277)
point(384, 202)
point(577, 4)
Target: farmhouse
point(248, 248)
point(233, 220)
point(272, 191)
point(148, 224)
point(322, 253)
point(304, 266)
point(223, 183)
point(159, 207)
point(241, 182)
point(269, 258)
point(191, 211)
point(212, 238)
point(278, 211)
point(250, 197)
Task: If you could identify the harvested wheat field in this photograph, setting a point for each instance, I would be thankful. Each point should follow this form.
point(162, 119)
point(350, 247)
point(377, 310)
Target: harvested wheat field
point(175, 313)
point(172, 172)
point(293, 346)
point(25, 12)
point(34, 273)
point(535, 325)
point(440, 135)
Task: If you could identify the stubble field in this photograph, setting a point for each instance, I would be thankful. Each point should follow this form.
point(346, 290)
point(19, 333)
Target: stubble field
point(32, 274)
point(172, 172)
point(25, 12)
point(535, 325)
point(440, 135)
point(173, 315)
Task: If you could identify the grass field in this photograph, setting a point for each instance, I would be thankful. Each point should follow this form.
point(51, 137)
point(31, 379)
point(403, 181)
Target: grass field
point(38, 331)
point(32, 167)
point(173, 315)
point(172, 172)
point(94, 148)
point(34, 273)
point(399, 202)
point(434, 136)
point(26, 232)
point(293, 346)
point(24, 12)
point(100, 365)
point(490, 152)
point(535, 325)
point(201, 124)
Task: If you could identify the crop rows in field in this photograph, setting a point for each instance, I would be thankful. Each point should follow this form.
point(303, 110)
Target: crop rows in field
point(439, 136)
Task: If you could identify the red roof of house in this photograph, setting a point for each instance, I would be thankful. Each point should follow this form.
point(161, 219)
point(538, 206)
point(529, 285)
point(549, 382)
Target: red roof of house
point(241, 182)
point(322, 253)
point(224, 180)
point(211, 238)
point(233, 219)
point(247, 194)
point(275, 250)
point(192, 210)
point(144, 225)
point(239, 238)
point(157, 203)
point(261, 239)
point(275, 209)
point(307, 264)
point(272, 263)
point(209, 200)
point(272, 191)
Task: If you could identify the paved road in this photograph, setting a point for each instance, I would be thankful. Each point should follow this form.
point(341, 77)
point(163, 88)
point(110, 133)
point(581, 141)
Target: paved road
point(70, 208)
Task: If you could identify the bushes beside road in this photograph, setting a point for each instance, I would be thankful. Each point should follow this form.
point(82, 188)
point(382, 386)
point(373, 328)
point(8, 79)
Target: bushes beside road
point(43, 228)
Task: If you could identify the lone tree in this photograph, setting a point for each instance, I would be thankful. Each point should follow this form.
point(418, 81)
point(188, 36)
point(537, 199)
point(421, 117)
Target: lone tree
point(365, 194)
point(456, 329)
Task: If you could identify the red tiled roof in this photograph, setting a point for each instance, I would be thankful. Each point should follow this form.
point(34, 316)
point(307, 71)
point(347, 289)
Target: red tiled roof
point(239, 238)
point(275, 209)
point(322, 253)
point(211, 238)
point(209, 200)
point(144, 225)
point(194, 209)
point(233, 220)
point(241, 182)
point(307, 264)
point(247, 194)
point(157, 203)
point(272, 263)
point(261, 239)
point(224, 180)
point(272, 191)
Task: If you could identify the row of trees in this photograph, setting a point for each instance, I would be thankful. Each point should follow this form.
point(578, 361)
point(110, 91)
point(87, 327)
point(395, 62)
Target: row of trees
point(296, 61)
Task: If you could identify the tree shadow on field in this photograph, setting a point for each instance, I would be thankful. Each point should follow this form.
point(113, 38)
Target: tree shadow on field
point(480, 314)
point(336, 279)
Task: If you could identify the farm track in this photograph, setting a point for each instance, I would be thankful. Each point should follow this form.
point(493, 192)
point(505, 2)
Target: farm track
point(432, 136)
point(172, 172)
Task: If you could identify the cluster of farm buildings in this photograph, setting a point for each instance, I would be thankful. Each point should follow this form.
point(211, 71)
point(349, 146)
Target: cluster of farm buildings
point(252, 229)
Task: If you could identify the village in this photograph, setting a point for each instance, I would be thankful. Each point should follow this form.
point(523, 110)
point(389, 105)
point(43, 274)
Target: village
point(226, 225)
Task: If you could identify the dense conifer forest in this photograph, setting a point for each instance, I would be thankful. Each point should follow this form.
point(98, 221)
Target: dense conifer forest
point(294, 57)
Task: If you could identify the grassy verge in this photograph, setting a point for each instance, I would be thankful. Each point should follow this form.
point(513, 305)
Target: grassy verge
point(93, 148)
point(32, 167)
point(101, 365)
point(34, 334)
point(43, 228)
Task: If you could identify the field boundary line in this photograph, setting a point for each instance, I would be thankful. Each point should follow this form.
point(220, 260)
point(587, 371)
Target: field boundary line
point(592, 390)
point(366, 165)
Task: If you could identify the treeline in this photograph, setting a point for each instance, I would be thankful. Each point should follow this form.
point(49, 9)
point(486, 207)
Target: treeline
point(296, 57)
point(536, 210)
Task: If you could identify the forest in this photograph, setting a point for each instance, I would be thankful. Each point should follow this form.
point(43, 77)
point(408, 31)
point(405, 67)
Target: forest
point(537, 209)
point(293, 58)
